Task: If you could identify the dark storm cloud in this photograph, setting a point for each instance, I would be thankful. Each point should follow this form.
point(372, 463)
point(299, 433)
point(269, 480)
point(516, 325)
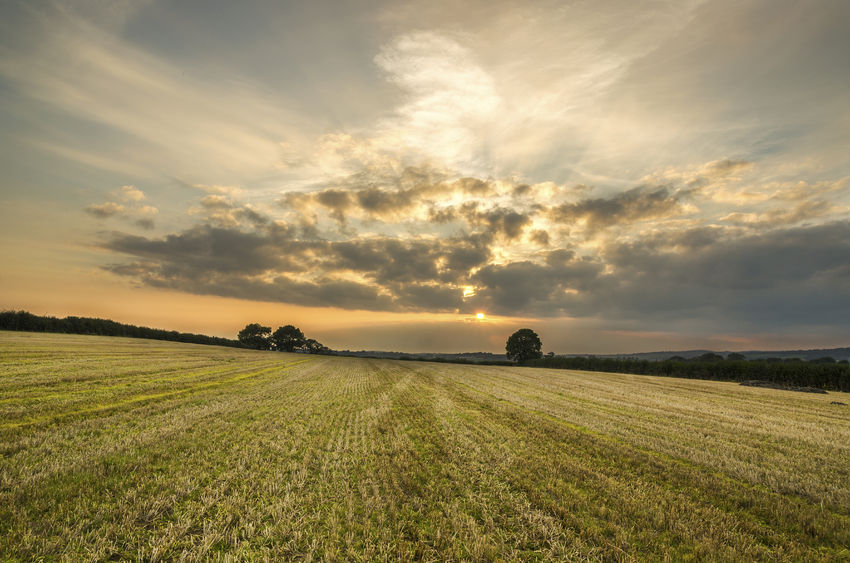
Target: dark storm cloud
point(541, 289)
point(132, 211)
point(391, 273)
point(465, 253)
point(472, 186)
point(637, 204)
point(387, 196)
point(745, 262)
point(428, 297)
point(693, 239)
point(388, 260)
point(798, 275)
point(146, 224)
point(371, 202)
point(378, 201)
point(442, 216)
point(395, 261)
point(539, 237)
point(252, 216)
point(336, 201)
point(322, 292)
point(497, 221)
point(104, 210)
point(221, 211)
point(206, 249)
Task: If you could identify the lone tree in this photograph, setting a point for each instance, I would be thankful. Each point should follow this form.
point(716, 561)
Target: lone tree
point(256, 336)
point(288, 338)
point(523, 345)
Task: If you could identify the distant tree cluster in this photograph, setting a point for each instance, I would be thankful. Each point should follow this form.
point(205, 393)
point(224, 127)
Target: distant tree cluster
point(24, 321)
point(822, 373)
point(285, 339)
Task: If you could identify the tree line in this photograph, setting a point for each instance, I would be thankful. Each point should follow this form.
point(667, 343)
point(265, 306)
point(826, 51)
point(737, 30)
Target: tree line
point(818, 374)
point(524, 347)
point(22, 320)
point(285, 339)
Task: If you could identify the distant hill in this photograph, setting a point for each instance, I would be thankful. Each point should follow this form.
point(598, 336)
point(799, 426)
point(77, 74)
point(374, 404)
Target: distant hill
point(835, 353)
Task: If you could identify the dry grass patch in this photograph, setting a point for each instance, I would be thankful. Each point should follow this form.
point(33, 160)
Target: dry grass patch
point(131, 449)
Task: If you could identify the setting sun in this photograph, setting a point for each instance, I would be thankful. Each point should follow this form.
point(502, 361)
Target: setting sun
point(479, 316)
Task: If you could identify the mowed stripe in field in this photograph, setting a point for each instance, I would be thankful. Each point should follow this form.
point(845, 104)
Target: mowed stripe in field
point(344, 458)
point(227, 379)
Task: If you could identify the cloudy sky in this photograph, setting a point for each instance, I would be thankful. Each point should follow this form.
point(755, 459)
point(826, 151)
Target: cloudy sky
point(618, 175)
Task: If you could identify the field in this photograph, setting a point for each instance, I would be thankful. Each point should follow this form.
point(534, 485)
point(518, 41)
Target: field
point(115, 448)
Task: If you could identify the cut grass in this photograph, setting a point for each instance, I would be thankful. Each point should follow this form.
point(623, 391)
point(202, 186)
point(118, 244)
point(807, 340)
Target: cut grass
point(130, 449)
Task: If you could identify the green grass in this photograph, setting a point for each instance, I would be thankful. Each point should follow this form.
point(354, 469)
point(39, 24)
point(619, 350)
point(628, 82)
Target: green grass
point(131, 449)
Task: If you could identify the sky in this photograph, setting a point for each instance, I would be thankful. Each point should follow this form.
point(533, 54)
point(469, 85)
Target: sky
point(619, 176)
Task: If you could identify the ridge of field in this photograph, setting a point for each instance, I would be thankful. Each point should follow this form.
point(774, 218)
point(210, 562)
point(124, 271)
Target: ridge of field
point(114, 448)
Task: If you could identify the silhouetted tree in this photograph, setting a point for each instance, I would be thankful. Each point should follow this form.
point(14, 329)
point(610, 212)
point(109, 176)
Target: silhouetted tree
point(313, 346)
point(255, 336)
point(735, 356)
point(288, 338)
point(523, 345)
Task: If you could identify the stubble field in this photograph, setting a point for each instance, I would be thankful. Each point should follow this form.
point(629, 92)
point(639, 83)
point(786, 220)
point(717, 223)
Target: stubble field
point(130, 449)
